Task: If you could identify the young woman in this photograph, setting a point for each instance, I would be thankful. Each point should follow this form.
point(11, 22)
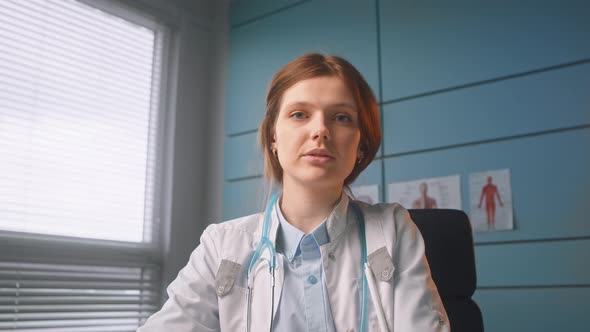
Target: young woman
point(315, 260)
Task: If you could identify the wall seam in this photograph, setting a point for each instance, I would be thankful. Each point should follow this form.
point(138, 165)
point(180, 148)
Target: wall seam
point(270, 13)
point(528, 241)
point(492, 140)
point(532, 287)
point(489, 81)
point(380, 92)
point(445, 90)
point(243, 178)
point(446, 147)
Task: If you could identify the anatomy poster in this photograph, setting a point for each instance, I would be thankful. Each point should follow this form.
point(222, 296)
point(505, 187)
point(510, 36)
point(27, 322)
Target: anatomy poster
point(367, 194)
point(432, 193)
point(490, 200)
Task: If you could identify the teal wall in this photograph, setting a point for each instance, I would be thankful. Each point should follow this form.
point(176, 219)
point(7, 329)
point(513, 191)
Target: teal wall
point(464, 86)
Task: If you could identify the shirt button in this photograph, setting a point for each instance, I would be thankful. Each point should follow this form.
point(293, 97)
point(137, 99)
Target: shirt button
point(220, 289)
point(331, 256)
point(312, 280)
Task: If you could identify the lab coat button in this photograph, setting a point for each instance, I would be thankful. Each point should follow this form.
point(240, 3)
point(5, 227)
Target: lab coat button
point(312, 280)
point(220, 290)
point(331, 256)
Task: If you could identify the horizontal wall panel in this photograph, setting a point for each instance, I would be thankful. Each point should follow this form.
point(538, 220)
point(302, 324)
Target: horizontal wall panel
point(260, 48)
point(533, 263)
point(545, 101)
point(371, 175)
point(432, 45)
point(245, 197)
point(242, 198)
point(247, 10)
point(243, 156)
point(524, 310)
point(549, 175)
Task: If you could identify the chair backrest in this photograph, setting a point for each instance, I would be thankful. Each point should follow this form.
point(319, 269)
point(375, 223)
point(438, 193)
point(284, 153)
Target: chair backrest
point(449, 249)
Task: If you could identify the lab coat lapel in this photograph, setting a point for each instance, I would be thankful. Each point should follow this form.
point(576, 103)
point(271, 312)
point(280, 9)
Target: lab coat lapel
point(261, 293)
point(342, 265)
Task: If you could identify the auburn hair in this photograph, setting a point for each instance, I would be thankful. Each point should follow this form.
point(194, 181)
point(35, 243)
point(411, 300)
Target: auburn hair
point(315, 65)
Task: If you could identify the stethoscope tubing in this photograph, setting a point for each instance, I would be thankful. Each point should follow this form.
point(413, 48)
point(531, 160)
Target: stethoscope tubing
point(265, 243)
point(367, 276)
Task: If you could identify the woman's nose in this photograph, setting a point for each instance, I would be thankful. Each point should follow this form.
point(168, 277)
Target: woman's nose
point(320, 130)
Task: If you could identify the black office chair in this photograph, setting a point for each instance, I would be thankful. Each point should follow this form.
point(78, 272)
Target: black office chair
point(449, 250)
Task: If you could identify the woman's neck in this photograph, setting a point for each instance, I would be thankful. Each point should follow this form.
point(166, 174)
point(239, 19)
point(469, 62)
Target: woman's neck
point(306, 207)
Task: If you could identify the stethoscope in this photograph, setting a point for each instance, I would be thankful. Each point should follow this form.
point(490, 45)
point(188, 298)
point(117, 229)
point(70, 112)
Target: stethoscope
point(368, 281)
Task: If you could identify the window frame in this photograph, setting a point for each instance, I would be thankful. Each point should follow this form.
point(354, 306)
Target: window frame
point(163, 149)
point(56, 249)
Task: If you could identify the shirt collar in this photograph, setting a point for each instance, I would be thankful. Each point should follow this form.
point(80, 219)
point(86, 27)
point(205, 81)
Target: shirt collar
point(337, 221)
point(289, 237)
point(335, 224)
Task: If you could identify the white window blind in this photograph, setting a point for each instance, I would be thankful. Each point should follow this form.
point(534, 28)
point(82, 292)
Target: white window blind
point(79, 96)
point(63, 298)
point(80, 165)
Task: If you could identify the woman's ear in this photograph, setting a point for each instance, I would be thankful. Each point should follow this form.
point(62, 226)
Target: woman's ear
point(359, 150)
point(273, 145)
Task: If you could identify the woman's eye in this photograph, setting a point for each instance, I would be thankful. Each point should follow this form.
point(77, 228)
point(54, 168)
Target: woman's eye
point(298, 115)
point(343, 118)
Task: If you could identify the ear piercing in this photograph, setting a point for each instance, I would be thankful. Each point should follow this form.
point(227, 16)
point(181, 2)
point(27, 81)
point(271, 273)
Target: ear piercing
point(360, 157)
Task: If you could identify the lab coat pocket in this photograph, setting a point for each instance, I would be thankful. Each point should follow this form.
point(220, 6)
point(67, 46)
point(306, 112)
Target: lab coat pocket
point(232, 309)
point(231, 297)
point(382, 271)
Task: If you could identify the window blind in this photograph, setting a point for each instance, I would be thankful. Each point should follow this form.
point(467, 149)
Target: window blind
point(81, 137)
point(79, 102)
point(67, 297)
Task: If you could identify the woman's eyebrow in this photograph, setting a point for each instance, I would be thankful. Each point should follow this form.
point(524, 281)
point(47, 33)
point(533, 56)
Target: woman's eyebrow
point(335, 105)
point(298, 104)
point(343, 105)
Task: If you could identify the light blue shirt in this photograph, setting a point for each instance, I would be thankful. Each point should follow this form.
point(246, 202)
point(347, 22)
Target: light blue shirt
point(304, 304)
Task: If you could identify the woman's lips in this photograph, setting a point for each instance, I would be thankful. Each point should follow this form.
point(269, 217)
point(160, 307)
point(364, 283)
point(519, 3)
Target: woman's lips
point(318, 159)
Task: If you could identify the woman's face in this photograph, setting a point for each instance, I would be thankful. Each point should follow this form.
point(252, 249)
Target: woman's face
point(317, 132)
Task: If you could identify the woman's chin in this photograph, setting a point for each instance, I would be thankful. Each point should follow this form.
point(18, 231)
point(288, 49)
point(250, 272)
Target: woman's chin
point(320, 179)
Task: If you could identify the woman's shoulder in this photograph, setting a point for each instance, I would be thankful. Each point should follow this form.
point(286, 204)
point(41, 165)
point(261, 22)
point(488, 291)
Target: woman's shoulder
point(386, 212)
point(247, 225)
point(390, 218)
point(230, 239)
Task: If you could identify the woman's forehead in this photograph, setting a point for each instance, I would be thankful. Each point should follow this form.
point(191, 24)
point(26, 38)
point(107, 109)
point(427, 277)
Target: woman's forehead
point(323, 91)
point(307, 105)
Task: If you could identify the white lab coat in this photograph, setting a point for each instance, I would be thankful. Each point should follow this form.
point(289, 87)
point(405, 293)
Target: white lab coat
point(209, 295)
